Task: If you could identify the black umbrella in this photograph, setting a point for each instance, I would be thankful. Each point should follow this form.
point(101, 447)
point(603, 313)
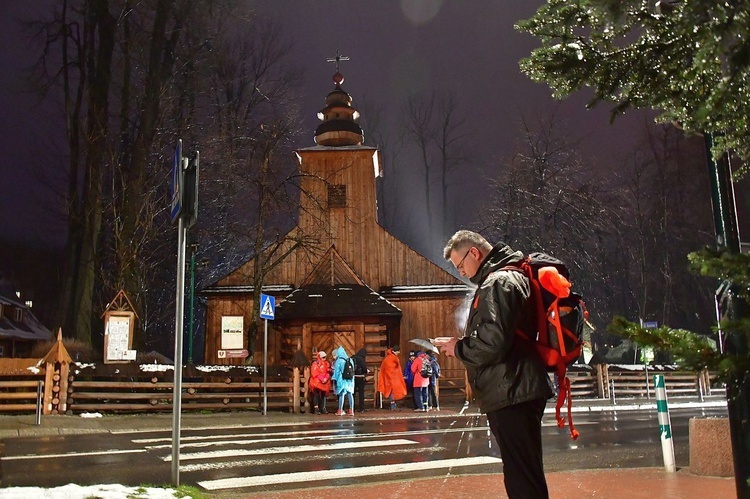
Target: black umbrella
point(425, 344)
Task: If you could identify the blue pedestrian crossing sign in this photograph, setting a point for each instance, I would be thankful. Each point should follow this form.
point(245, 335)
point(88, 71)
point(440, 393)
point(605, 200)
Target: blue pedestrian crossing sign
point(267, 307)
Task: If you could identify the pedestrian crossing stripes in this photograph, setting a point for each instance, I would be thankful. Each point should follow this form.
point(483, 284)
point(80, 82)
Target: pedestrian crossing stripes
point(247, 438)
point(287, 449)
point(73, 454)
point(320, 435)
point(212, 427)
point(374, 453)
point(333, 474)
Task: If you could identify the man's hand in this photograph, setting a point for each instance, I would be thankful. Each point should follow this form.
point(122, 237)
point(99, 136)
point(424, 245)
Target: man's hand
point(449, 347)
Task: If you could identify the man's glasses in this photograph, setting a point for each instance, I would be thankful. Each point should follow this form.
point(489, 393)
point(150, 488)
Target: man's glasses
point(461, 263)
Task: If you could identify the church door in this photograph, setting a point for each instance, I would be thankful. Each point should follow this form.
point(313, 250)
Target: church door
point(328, 341)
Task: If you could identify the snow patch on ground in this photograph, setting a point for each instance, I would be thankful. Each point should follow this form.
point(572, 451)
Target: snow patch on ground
point(71, 491)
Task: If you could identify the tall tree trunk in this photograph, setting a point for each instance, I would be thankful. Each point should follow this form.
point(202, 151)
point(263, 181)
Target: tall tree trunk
point(72, 105)
point(135, 191)
point(99, 76)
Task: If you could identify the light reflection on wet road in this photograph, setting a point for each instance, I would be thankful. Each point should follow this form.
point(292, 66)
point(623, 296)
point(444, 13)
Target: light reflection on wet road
point(334, 450)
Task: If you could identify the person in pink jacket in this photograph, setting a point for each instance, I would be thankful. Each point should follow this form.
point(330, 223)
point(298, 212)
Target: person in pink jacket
point(420, 383)
point(320, 382)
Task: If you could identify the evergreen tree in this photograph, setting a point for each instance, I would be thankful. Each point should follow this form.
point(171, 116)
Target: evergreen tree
point(689, 60)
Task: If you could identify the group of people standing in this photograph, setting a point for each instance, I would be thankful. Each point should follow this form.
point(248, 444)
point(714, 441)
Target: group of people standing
point(325, 378)
point(393, 382)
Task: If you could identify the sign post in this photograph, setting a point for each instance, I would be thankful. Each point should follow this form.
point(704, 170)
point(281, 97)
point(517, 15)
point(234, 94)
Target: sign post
point(267, 312)
point(184, 211)
point(177, 386)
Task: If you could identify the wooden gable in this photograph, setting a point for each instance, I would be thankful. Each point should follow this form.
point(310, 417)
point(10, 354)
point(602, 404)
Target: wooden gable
point(332, 270)
point(375, 256)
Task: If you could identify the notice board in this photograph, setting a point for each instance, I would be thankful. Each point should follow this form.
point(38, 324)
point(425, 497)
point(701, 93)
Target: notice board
point(118, 337)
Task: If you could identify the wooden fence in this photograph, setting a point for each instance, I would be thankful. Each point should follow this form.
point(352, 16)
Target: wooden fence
point(76, 389)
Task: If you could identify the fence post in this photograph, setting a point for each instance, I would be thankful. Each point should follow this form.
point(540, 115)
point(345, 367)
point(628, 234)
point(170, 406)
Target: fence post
point(377, 397)
point(437, 392)
point(63, 393)
point(295, 391)
point(665, 427)
point(614, 402)
point(706, 382)
point(306, 391)
point(49, 372)
point(39, 402)
point(648, 385)
point(601, 388)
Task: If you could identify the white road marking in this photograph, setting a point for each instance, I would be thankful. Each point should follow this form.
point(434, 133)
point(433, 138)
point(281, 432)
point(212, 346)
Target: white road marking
point(240, 439)
point(195, 438)
point(200, 428)
point(291, 459)
point(73, 454)
point(295, 449)
point(310, 476)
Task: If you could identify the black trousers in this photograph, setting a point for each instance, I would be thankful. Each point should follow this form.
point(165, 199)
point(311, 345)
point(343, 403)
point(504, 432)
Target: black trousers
point(319, 399)
point(433, 397)
point(518, 432)
point(359, 392)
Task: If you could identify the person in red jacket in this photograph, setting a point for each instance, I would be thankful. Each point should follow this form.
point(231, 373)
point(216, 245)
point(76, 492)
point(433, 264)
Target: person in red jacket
point(420, 383)
point(391, 378)
point(320, 382)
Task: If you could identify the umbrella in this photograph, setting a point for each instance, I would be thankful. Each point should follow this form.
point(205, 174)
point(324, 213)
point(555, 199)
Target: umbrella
point(425, 344)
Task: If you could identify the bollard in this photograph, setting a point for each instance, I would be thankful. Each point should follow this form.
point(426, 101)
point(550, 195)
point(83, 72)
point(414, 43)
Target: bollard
point(665, 427)
point(614, 402)
point(38, 403)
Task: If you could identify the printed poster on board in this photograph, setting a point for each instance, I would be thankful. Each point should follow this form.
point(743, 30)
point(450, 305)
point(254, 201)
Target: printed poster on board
point(118, 332)
point(231, 332)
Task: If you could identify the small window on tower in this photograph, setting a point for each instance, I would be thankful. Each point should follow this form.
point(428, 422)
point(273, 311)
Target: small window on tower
point(336, 196)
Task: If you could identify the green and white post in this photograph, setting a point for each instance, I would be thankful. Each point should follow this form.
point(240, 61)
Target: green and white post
point(665, 426)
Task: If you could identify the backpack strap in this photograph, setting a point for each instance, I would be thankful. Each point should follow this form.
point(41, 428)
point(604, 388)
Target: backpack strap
point(535, 296)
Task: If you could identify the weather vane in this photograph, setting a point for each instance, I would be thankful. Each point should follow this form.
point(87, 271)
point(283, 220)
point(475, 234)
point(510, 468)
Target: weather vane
point(337, 59)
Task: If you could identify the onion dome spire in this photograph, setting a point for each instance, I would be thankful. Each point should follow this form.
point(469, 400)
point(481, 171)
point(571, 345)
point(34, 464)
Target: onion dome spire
point(338, 127)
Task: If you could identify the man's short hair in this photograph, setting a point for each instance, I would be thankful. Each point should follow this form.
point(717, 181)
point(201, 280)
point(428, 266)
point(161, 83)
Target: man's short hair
point(396, 348)
point(464, 239)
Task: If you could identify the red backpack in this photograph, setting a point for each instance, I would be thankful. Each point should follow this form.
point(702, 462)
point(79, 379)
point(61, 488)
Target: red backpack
point(559, 319)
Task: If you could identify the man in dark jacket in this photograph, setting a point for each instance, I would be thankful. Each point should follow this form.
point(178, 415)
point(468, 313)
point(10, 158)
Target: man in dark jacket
point(506, 375)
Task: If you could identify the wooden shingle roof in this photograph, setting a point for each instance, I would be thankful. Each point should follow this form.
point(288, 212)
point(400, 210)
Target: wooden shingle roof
point(339, 300)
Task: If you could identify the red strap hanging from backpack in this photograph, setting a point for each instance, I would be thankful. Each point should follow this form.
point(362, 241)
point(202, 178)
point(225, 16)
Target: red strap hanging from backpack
point(564, 392)
point(563, 383)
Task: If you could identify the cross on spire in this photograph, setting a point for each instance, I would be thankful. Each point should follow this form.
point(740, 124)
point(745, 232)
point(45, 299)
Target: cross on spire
point(337, 59)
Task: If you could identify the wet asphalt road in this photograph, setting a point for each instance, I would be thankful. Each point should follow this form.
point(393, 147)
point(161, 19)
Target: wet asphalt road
point(339, 451)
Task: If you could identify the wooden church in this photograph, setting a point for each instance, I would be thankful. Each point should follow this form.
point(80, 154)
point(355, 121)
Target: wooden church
point(359, 286)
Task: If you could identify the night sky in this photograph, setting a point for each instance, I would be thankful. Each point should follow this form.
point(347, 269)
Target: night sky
point(395, 48)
